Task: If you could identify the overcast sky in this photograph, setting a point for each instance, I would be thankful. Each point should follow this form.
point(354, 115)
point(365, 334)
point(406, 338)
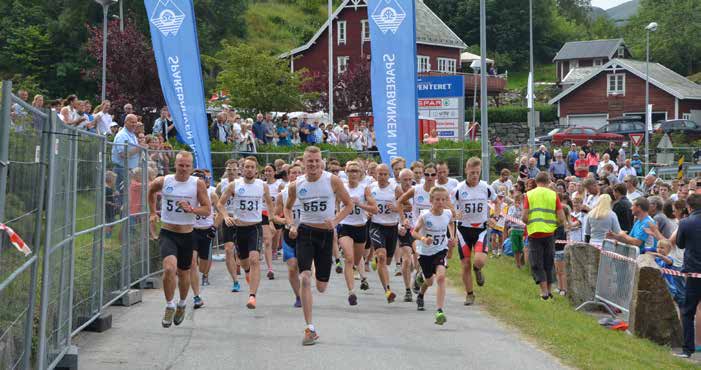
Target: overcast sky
point(606, 4)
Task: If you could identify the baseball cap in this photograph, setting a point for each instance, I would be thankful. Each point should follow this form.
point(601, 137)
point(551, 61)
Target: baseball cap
point(113, 124)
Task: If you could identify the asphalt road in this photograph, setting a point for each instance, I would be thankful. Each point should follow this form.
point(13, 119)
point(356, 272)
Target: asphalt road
point(372, 335)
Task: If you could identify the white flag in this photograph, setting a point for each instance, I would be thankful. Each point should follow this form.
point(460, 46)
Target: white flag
point(648, 118)
point(530, 94)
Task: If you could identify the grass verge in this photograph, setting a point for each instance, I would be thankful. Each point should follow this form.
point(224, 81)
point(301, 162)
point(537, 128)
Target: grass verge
point(575, 338)
point(543, 73)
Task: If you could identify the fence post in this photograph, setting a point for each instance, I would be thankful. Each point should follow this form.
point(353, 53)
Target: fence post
point(101, 257)
point(126, 274)
point(5, 141)
point(45, 281)
point(146, 225)
point(74, 191)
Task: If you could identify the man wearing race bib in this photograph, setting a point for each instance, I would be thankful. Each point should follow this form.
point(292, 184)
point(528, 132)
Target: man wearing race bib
point(317, 191)
point(406, 241)
point(202, 235)
point(249, 195)
point(269, 230)
point(183, 197)
point(289, 255)
point(232, 173)
point(354, 228)
point(471, 199)
point(383, 226)
point(431, 232)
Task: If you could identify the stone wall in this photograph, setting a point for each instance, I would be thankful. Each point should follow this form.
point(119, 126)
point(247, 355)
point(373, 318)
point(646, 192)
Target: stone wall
point(517, 133)
point(581, 267)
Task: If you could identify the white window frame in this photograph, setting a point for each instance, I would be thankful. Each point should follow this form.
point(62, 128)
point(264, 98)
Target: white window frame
point(365, 30)
point(686, 116)
point(423, 63)
point(342, 64)
point(447, 65)
point(621, 52)
point(619, 90)
point(574, 63)
point(598, 62)
point(341, 32)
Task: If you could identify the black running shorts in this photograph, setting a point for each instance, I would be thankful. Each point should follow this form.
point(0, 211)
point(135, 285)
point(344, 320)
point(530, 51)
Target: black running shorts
point(359, 234)
point(384, 237)
point(430, 263)
point(406, 240)
point(176, 244)
point(229, 233)
point(203, 243)
point(248, 239)
point(470, 236)
point(315, 246)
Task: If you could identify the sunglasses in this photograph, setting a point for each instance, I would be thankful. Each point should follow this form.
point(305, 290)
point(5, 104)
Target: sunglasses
point(430, 174)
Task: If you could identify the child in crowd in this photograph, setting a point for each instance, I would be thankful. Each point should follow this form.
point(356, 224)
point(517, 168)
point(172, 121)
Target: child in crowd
point(434, 248)
point(675, 284)
point(516, 229)
point(497, 232)
point(561, 234)
point(576, 219)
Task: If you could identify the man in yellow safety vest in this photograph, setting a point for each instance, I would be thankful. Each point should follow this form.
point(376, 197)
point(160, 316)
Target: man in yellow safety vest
point(541, 213)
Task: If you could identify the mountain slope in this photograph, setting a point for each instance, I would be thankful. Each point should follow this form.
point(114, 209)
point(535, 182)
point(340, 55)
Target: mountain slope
point(624, 11)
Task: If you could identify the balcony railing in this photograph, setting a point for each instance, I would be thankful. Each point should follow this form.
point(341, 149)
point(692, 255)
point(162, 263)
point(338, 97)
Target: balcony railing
point(495, 84)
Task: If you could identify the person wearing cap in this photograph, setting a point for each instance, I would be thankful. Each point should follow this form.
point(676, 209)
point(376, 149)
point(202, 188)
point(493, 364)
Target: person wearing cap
point(637, 164)
point(572, 157)
point(558, 168)
point(114, 128)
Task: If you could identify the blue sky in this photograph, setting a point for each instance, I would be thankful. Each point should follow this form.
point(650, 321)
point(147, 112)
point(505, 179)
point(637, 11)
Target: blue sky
point(606, 4)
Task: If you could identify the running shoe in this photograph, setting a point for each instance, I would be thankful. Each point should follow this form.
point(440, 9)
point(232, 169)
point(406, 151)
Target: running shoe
point(469, 299)
point(168, 317)
point(271, 275)
point(440, 318)
point(419, 303)
point(199, 303)
point(416, 287)
point(298, 302)
point(236, 287)
point(479, 276)
point(683, 354)
point(179, 315)
point(339, 267)
point(310, 337)
point(364, 284)
point(390, 296)
point(373, 264)
point(205, 280)
point(397, 270)
point(251, 303)
point(352, 299)
point(407, 296)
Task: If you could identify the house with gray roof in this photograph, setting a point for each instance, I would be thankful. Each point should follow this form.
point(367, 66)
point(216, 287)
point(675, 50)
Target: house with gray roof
point(617, 89)
point(584, 54)
point(438, 47)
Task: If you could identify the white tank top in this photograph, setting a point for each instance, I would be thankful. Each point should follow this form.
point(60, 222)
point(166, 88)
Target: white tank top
point(229, 202)
point(318, 199)
point(274, 190)
point(409, 214)
point(473, 203)
point(206, 222)
point(296, 207)
point(358, 216)
point(173, 192)
point(385, 197)
point(421, 201)
point(437, 228)
point(450, 185)
point(248, 200)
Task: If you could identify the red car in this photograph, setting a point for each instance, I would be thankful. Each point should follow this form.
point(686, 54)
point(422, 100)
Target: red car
point(580, 135)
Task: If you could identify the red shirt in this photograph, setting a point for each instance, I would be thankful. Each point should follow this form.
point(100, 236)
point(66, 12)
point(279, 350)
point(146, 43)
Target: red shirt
point(581, 163)
point(558, 207)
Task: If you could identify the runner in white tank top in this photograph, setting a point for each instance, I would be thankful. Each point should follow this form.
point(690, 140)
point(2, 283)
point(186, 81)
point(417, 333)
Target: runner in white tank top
point(471, 198)
point(183, 197)
point(269, 235)
point(442, 180)
point(431, 231)
point(406, 241)
point(353, 233)
point(383, 226)
point(203, 234)
point(249, 195)
point(232, 263)
point(317, 190)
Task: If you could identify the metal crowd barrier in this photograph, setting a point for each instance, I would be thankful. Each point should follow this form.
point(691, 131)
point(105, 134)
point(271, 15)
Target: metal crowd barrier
point(89, 239)
point(616, 278)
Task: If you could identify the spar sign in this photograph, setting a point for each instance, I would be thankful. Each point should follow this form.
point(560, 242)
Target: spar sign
point(442, 98)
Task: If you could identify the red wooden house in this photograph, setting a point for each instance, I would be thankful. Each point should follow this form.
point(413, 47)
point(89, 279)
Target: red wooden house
point(617, 89)
point(590, 53)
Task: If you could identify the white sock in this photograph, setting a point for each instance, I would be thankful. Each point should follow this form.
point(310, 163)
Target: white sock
point(311, 327)
point(170, 304)
point(182, 303)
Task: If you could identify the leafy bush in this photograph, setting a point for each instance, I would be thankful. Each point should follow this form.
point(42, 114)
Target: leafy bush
point(511, 114)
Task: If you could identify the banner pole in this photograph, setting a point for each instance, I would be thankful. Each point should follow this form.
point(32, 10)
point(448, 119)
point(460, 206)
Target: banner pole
point(484, 137)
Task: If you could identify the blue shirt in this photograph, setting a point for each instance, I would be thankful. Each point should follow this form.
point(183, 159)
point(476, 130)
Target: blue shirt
point(259, 131)
point(572, 157)
point(689, 239)
point(639, 233)
point(283, 141)
point(638, 165)
point(124, 137)
point(558, 168)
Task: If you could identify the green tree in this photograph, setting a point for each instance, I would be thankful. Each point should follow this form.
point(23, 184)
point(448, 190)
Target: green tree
point(676, 44)
point(257, 81)
point(576, 10)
